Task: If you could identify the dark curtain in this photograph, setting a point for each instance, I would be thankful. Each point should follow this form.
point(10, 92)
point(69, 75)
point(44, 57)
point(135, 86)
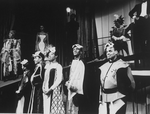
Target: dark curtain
point(88, 38)
point(87, 32)
point(26, 17)
point(7, 18)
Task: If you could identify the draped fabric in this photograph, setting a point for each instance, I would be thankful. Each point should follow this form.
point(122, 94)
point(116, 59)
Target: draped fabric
point(7, 19)
point(52, 79)
point(87, 33)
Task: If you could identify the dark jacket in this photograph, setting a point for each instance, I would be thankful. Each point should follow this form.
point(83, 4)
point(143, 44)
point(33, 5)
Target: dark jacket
point(137, 9)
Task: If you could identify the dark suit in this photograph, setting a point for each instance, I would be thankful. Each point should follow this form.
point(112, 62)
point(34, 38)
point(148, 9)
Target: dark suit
point(137, 9)
point(141, 34)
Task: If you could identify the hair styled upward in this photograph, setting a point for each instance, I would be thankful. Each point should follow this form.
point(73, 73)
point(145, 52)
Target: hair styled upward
point(119, 19)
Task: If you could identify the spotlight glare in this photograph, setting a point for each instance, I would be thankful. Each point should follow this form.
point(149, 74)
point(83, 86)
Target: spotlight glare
point(68, 10)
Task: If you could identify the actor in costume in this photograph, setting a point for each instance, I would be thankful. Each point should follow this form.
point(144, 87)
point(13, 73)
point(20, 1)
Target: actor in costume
point(42, 40)
point(141, 35)
point(118, 34)
point(52, 85)
point(116, 82)
point(23, 91)
point(35, 105)
point(10, 56)
point(75, 82)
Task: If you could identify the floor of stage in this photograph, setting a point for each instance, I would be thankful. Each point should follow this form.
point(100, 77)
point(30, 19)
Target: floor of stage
point(5, 83)
point(8, 96)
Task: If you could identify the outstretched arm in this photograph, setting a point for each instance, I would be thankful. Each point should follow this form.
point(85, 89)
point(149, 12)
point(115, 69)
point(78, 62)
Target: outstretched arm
point(133, 11)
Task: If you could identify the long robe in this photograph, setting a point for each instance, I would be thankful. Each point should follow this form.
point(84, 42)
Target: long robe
point(35, 104)
point(76, 78)
point(53, 103)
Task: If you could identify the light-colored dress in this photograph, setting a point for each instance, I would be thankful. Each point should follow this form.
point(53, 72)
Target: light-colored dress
point(53, 104)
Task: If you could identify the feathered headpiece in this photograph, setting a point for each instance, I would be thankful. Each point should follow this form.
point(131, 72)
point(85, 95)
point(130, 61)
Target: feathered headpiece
point(119, 19)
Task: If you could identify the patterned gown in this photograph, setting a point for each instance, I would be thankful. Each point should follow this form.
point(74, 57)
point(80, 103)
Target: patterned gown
point(10, 57)
point(53, 104)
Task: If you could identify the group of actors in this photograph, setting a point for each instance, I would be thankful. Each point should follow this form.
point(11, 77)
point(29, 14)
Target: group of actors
point(47, 81)
point(42, 90)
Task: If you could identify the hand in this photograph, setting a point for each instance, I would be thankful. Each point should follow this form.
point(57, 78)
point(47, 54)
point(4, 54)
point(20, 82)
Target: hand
point(73, 89)
point(146, 16)
point(66, 84)
point(49, 92)
point(136, 18)
point(44, 90)
point(17, 91)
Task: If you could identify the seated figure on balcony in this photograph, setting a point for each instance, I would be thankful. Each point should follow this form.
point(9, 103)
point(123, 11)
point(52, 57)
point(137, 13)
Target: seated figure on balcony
point(118, 34)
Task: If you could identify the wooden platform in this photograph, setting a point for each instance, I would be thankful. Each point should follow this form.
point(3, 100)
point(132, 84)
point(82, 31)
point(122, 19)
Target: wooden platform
point(9, 82)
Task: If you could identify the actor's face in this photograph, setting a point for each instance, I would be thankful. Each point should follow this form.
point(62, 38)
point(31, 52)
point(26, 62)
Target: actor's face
point(51, 56)
point(117, 24)
point(111, 52)
point(37, 60)
point(10, 34)
point(76, 51)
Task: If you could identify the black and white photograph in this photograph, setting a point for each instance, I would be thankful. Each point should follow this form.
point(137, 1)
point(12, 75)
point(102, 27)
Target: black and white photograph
point(75, 56)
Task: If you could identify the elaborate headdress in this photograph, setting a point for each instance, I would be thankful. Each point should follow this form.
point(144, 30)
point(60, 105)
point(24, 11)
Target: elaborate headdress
point(119, 19)
point(24, 62)
point(38, 54)
point(77, 45)
point(50, 49)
